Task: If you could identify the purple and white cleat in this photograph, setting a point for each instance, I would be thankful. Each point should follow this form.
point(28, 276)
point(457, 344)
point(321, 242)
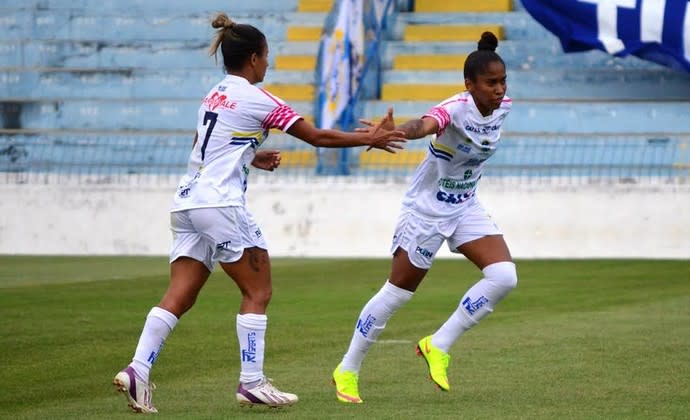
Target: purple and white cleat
point(265, 394)
point(138, 392)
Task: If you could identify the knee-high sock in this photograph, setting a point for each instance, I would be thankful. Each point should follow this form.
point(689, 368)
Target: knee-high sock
point(372, 320)
point(499, 279)
point(251, 333)
point(159, 323)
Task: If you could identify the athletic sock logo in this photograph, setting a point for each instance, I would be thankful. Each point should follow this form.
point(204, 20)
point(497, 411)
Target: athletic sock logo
point(364, 326)
point(472, 307)
point(249, 354)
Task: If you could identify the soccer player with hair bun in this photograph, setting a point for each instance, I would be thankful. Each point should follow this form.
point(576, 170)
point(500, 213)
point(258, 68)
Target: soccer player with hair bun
point(441, 206)
point(209, 220)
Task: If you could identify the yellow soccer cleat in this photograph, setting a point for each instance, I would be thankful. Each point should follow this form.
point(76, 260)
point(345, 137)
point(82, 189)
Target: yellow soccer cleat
point(346, 389)
point(437, 360)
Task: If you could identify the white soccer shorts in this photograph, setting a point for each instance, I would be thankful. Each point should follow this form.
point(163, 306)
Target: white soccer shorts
point(422, 238)
point(214, 234)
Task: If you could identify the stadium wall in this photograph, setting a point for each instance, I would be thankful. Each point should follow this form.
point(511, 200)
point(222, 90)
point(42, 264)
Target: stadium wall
point(350, 220)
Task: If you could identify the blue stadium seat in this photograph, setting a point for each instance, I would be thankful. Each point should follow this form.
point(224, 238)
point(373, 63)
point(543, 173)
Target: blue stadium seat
point(571, 84)
point(121, 114)
point(152, 55)
point(562, 117)
point(151, 6)
point(122, 83)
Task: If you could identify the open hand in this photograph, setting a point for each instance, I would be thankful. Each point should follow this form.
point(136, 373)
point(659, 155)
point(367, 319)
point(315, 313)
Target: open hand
point(267, 160)
point(387, 122)
point(385, 136)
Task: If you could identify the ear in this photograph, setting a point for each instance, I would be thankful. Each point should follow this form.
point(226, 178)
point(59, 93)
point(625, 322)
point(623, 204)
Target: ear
point(253, 59)
point(469, 86)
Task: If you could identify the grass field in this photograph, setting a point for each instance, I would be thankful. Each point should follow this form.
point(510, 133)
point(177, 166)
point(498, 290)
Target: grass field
point(576, 340)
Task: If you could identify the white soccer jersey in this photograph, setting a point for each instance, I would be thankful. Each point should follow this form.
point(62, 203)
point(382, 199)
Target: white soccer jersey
point(447, 177)
point(234, 120)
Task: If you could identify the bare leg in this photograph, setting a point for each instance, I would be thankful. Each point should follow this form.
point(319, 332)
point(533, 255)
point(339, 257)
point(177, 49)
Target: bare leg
point(187, 277)
point(252, 274)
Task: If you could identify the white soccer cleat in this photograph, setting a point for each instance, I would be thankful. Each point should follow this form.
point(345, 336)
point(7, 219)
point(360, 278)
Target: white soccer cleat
point(138, 392)
point(265, 394)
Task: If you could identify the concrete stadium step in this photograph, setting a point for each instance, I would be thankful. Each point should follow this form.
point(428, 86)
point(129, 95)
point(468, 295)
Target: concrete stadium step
point(102, 152)
point(566, 84)
point(418, 91)
point(462, 6)
point(611, 155)
point(577, 117)
point(516, 25)
point(295, 62)
point(526, 117)
point(429, 61)
point(292, 92)
point(152, 6)
point(314, 5)
point(544, 54)
point(146, 55)
point(138, 27)
point(127, 152)
point(138, 84)
point(127, 114)
point(436, 32)
point(304, 33)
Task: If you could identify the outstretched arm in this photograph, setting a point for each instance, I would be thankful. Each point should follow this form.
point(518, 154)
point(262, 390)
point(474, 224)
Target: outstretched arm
point(418, 128)
point(413, 129)
point(375, 137)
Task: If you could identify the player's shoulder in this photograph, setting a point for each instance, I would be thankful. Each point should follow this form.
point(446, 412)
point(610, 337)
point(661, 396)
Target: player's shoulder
point(458, 100)
point(506, 103)
point(263, 95)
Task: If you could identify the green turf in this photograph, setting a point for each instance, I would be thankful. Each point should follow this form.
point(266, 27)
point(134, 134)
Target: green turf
point(576, 340)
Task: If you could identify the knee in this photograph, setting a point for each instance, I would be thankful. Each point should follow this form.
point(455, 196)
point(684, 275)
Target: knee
point(177, 306)
point(260, 296)
point(502, 274)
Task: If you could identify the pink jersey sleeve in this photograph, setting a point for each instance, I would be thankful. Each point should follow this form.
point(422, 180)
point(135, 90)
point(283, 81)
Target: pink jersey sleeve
point(441, 115)
point(442, 112)
point(280, 115)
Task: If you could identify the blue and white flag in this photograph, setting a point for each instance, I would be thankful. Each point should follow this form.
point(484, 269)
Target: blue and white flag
point(342, 58)
point(654, 30)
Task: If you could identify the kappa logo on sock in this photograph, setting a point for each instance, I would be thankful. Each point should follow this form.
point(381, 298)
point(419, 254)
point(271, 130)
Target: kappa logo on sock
point(365, 325)
point(472, 307)
point(249, 354)
point(154, 354)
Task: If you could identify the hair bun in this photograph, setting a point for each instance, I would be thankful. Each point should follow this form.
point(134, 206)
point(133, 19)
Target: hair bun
point(221, 20)
point(488, 42)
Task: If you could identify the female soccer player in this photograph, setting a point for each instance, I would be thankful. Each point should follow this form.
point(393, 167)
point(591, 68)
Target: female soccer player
point(209, 220)
point(440, 205)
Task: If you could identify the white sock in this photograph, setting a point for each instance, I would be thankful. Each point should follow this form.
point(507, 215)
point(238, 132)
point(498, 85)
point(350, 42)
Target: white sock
point(159, 323)
point(479, 301)
point(371, 322)
point(251, 333)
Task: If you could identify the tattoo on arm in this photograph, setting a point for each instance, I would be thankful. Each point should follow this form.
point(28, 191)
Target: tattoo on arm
point(414, 129)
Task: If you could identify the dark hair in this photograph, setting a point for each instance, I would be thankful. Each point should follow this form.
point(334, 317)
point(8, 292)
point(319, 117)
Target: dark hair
point(478, 60)
point(237, 41)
